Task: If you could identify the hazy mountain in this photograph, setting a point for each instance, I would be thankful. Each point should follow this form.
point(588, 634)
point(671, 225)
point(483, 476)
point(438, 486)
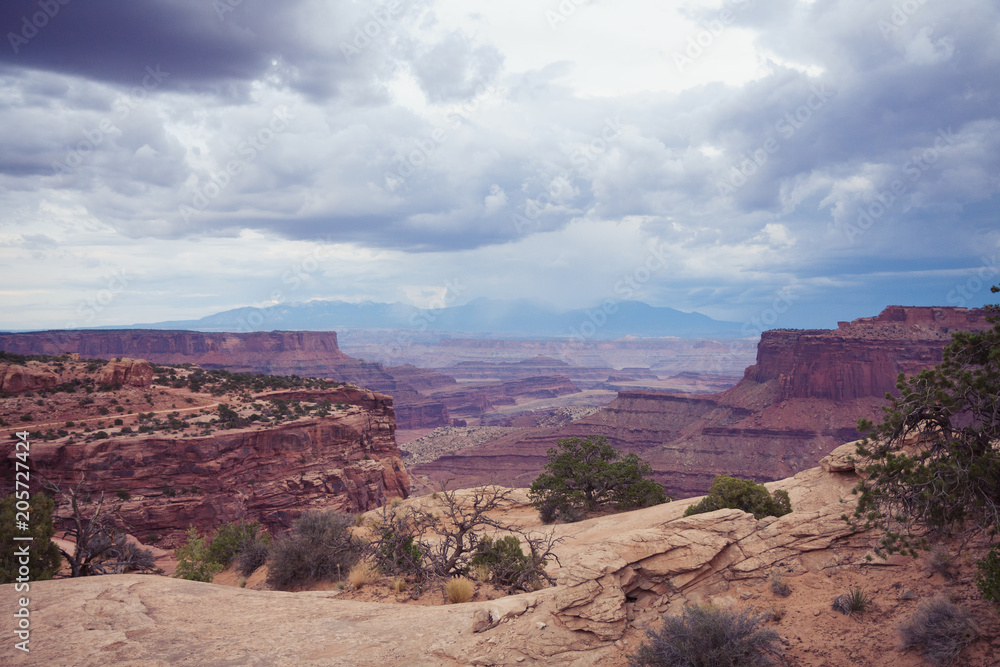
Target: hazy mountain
point(482, 316)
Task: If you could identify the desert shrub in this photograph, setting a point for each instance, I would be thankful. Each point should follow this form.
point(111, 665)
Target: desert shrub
point(398, 585)
point(742, 494)
point(939, 629)
point(44, 554)
point(394, 547)
point(123, 494)
point(703, 636)
point(229, 539)
point(503, 557)
point(939, 560)
point(362, 573)
point(193, 559)
point(856, 601)
point(583, 474)
point(459, 589)
point(253, 555)
point(779, 586)
point(320, 546)
point(988, 575)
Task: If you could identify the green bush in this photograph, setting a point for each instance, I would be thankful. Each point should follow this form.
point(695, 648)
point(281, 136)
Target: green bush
point(44, 554)
point(742, 494)
point(988, 576)
point(194, 561)
point(704, 636)
point(320, 546)
point(582, 474)
point(504, 558)
point(229, 538)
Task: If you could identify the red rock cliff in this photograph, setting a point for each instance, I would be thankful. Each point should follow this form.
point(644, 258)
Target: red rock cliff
point(859, 359)
point(303, 353)
point(347, 461)
point(801, 399)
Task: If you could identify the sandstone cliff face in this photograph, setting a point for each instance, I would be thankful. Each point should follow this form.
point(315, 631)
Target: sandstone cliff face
point(32, 376)
point(347, 461)
point(303, 353)
point(800, 400)
point(126, 372)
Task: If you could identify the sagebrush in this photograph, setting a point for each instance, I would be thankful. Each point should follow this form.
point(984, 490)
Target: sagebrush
point(706, 636)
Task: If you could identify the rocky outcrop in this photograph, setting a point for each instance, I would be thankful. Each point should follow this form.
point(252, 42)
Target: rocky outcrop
point(347, 460)
point(21, 378)
point(302, 353)
point(475, 399)
point(801, 399)
point(617, 575)
point(124, 372)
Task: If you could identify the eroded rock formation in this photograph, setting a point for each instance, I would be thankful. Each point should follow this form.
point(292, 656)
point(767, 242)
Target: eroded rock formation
point(302, 353)
point(802, 397)
point(125, 372)
point(21, 378)
point(347, 460)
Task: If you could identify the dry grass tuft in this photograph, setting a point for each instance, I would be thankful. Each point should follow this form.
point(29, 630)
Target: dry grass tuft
point(399, 585)
point(940, 629)
point(362, 573)
point(459, 589)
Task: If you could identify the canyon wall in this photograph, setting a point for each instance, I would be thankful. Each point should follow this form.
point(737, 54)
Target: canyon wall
point(347, 460)
point(801, 398)
point(302, 353)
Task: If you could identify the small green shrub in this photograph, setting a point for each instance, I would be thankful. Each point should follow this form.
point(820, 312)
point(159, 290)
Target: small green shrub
point(706, 636)
point(229, 538)
point(320, 546)
point(988, 575)
point(123, 494)
point(939, 629)
point(742, 494)
point(193, 559)
point(854, 602)
point(504, 558)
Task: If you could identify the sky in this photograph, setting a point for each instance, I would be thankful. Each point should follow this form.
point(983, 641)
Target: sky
point(791, 162)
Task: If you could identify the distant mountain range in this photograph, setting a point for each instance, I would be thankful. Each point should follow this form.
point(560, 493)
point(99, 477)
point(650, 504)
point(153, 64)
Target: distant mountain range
point(520, 319)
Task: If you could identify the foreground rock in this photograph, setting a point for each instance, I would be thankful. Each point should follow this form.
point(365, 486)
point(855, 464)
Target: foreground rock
point(618, 574)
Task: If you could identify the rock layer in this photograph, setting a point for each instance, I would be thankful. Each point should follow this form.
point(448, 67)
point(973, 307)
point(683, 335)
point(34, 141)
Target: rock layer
point(303, 353)
point(800, 399)
point(347, 460)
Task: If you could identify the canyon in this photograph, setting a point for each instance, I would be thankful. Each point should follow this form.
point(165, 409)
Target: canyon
point(201, 465)
point(801, 398)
